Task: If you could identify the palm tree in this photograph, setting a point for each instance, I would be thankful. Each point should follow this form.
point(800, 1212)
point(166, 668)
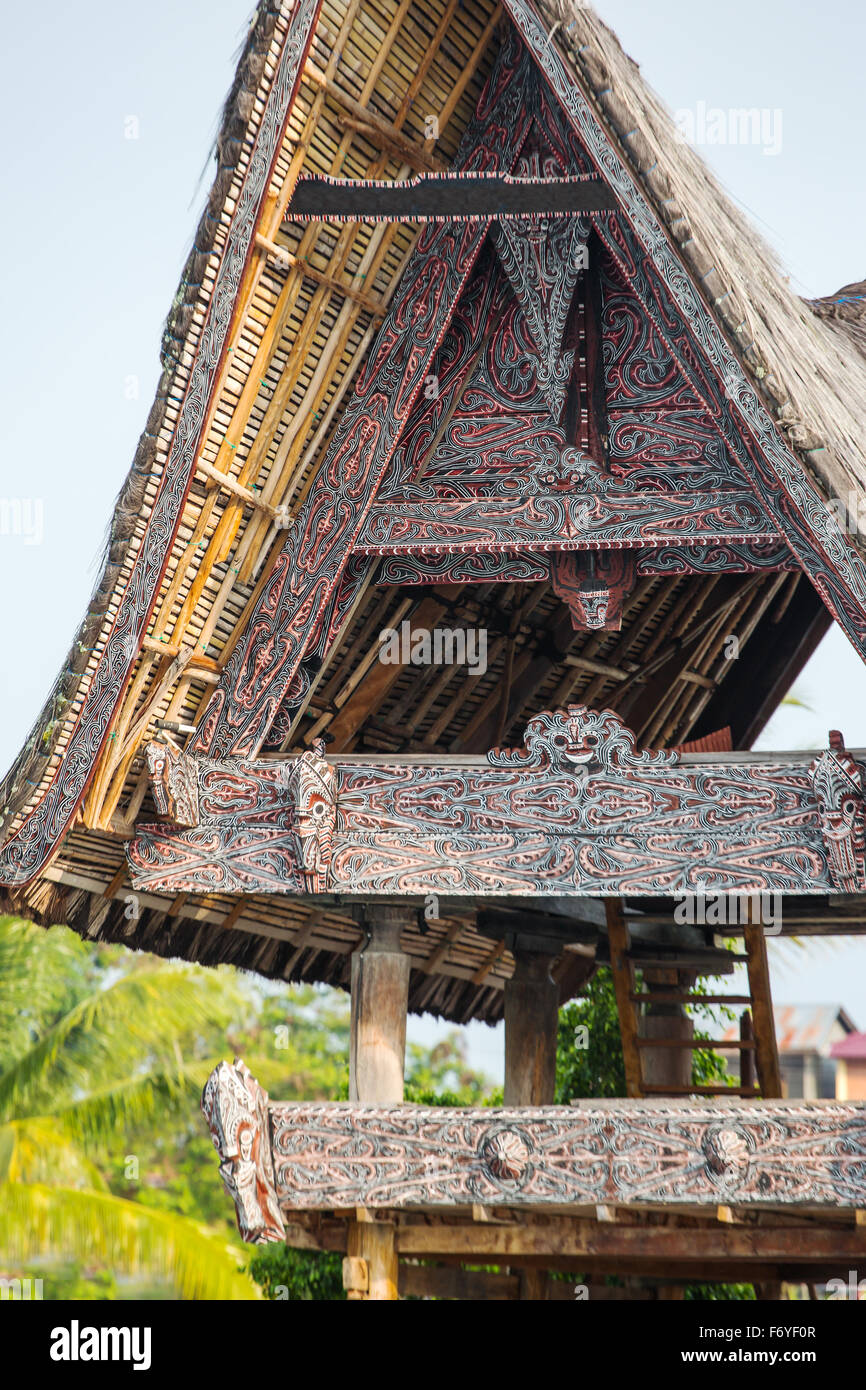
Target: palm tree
point(93, 1043)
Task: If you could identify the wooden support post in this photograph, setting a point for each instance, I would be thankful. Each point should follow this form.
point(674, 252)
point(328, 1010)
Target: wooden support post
point(531, 1020)
point(623, 983)
point(766, 1047)
point(370, 1270)
point(533, 1285)
point(377, 1051)
point(747, 1055)
point(380, 1000)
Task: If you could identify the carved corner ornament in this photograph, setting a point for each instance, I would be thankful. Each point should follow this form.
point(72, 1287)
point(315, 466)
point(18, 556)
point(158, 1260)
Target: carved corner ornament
point(236, 1110)
point(174, 778)
point(314, 784)
point(837, 781)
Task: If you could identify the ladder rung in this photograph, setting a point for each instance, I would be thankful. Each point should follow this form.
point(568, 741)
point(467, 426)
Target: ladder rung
point(700, 1090)
point(737, 1044)
point(680, 998)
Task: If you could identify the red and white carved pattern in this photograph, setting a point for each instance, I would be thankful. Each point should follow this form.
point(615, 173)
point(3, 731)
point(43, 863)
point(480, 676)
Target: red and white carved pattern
point(593, 587)
point(262, 666)
point(838, 785)
point(236, 1110)
point(577, 810)
point(315, 789)
point(480, 567)
point(556, 521)
point(681, 319)
point(762, 1154)
point(174, 778)
point(543, 257)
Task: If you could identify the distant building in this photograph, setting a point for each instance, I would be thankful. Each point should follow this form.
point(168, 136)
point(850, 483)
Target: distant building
point(812, 1039)
point(807, 1035)
point(849, 1057)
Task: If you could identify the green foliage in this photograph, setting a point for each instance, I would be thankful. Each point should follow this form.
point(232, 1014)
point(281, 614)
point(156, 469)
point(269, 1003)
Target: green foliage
point(589, 1051)
point(108, 1183)
point(589, 1061)
point(719, 1293)
point(98, 1054)
point(307, 1275)
point(444, 1071)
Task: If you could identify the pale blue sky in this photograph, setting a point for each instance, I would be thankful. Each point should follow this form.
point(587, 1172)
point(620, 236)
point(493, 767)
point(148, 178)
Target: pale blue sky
point(97, 227)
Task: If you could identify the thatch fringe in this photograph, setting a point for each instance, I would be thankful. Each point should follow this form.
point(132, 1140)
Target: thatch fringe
point(802, 366)
point(24, 777)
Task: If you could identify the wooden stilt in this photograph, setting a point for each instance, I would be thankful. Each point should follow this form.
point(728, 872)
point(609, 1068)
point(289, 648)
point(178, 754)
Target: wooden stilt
point(377, 1050)
point(763, 1019)
point(380, 995)
point(370, 1270)
point(623, 983)
point(531, 1019)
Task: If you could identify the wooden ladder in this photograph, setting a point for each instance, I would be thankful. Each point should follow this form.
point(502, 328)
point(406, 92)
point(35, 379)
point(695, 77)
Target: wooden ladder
point(757, 1042)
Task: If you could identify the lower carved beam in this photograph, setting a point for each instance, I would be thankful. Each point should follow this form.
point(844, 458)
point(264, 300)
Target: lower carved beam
point(284, 1158)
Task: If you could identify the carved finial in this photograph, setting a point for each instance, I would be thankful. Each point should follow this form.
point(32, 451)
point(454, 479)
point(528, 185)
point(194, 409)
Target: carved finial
point(315, 790)
point(837, 781)
point(578, 737)
point(236, 1110)
point(174, 778)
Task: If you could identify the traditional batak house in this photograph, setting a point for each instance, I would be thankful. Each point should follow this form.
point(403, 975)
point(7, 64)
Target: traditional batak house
point(471, 349)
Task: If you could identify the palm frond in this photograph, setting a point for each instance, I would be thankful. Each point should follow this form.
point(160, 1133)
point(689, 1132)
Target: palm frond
point(140, 1018)
point(41, 975)
point(108, 1113)
point(40, 1150)
point(98, 1227)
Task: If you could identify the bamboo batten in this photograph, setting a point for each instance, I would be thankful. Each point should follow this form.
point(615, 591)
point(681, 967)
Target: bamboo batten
point(253, 406)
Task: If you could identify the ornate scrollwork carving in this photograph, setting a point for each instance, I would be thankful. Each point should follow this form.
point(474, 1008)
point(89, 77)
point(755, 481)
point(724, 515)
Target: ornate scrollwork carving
point(314, 783)
point(579, 737)
point(236, 1110)
point(837, 781)
point(174, 778)
point(542, 257)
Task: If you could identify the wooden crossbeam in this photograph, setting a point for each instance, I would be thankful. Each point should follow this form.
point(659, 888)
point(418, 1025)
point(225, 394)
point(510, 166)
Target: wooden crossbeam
point(804, 1244)
point(230, 484)
point(446, 196)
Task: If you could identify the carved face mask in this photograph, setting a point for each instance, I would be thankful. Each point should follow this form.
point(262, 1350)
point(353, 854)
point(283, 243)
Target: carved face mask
point(594, 600)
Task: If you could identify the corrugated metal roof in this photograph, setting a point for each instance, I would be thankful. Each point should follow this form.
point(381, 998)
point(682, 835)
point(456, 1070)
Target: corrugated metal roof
point(806, 1027)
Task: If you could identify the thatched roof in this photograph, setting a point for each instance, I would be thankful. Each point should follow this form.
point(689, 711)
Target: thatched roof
point(311, 300)
point(804, 369)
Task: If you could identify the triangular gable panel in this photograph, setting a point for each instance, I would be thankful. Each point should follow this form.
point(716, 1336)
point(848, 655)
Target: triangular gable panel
point(776, 474)
point(496, 425)
point(511, 387)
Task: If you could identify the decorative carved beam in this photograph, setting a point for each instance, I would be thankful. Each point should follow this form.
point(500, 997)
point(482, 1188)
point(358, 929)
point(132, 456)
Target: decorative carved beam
point(529, 566)
point(325, 1157)
point(550, 520)
point(577, 811)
